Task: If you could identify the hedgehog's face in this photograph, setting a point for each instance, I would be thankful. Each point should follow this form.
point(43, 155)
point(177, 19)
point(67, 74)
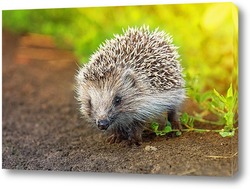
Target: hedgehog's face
point(104, 105)
point(109, 101)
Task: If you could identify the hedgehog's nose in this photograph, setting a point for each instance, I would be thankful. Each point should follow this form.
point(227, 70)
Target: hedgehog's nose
point(103, 124)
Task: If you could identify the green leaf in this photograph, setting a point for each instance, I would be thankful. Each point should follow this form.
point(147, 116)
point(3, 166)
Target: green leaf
point(222, 98)
point(167, 129)
point(221, 121)
point(204, 97)
point(155, 126)
point(229, 117)
point(178, 133)
point(184, 118)
point(230, 91)
point(227, 133)
point(197, 97)
point(168, 124)
point(191, 121)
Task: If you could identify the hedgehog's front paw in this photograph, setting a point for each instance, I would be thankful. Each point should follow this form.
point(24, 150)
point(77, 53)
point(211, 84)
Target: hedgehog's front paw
point(171, 135)
point(130, 142)
point(114, 138)
point(134, 138)
point(173, 118)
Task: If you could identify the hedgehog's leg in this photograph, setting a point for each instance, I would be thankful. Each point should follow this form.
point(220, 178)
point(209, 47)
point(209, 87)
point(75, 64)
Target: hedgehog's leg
point(113, 139)
point(131, 134)
point(173, 118)
point(163, 120)
point(116, 136)
point(134, 134)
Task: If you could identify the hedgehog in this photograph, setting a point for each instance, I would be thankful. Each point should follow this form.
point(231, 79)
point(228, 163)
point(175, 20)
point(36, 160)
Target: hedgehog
point(131, 80)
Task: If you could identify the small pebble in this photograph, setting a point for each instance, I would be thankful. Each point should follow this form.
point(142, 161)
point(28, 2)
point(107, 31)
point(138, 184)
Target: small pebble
point(150, 148)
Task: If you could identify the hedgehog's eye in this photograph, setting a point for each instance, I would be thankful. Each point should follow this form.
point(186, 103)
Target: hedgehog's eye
point(117, 100)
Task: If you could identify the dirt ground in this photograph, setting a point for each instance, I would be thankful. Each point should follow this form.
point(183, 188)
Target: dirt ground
point(42, 128)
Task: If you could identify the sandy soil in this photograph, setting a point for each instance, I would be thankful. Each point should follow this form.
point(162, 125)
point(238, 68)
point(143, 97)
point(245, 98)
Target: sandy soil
point(42, 129)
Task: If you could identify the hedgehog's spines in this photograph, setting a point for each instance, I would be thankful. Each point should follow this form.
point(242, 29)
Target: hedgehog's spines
point(140, 66)
point(138, 48)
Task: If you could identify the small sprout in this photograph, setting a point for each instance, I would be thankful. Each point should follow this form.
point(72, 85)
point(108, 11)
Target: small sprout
point(178, 133)
point(155, 126)
point(167, 129)
point(227, 134)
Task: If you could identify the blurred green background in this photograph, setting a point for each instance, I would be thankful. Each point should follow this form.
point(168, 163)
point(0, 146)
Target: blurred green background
point(206, 34)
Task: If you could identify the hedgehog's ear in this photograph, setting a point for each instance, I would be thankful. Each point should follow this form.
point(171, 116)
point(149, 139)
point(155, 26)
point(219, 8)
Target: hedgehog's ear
point(128, 77)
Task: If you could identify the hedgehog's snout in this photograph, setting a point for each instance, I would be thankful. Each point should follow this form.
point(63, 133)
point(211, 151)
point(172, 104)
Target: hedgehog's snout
point(103, 124)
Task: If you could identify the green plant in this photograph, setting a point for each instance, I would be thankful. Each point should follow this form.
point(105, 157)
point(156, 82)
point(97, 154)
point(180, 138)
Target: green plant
point(211, 102)
point(224, 107)
point(167, 129)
